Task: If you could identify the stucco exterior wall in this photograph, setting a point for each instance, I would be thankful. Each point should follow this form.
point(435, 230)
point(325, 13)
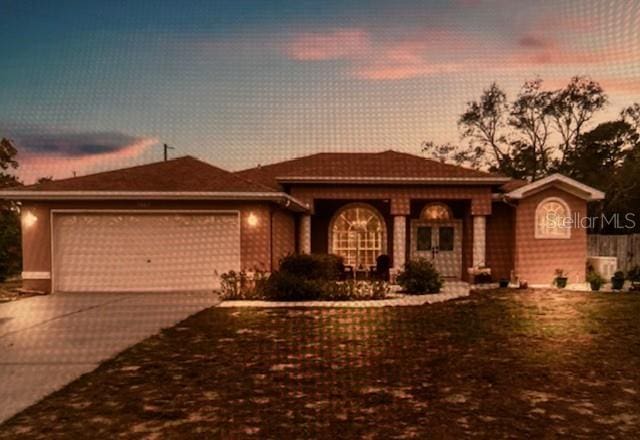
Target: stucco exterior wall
point(537, 259)
point(255, 240)
point(283, 236)
point(500, 240)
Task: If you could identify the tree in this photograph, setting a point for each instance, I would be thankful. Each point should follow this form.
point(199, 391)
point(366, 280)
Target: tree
point(572, 107)
point(530, 119)
point(10, 250)
point(631, 115)
point(483, 123)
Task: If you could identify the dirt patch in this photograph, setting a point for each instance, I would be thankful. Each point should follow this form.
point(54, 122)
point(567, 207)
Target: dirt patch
point(499, 364)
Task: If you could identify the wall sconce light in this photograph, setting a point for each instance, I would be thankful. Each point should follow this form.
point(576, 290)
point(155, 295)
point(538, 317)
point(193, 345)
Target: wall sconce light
point(29, 219)
point(252, 220)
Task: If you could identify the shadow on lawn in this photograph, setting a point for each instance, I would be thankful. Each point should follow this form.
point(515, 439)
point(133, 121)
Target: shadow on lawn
point(495, 364)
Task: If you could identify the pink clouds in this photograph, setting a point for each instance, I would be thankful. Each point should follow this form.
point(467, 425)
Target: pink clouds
point(332, 45)
point(377, 59)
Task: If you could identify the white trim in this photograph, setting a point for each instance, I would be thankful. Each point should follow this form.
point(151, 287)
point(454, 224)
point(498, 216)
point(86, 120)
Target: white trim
point(152, 195)
point(588, 193)
point(377, 179)
point(29, 275)
point(53, 212)
point(540, 236)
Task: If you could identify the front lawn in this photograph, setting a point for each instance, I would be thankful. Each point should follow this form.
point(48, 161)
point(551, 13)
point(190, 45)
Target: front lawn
point(495, 364)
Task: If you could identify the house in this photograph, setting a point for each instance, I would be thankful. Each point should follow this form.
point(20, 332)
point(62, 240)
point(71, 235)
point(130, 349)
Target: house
point(179, 224)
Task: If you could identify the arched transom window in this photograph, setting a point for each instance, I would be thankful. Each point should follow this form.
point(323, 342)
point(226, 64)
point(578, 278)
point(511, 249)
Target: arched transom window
point(553, 219)
point(358, 235)
point(436, 211)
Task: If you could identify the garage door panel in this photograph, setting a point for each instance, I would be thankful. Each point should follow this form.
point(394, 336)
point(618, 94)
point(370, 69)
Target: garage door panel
point(144, 252)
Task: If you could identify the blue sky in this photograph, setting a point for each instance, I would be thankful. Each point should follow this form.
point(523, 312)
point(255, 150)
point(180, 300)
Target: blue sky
point(87, 85)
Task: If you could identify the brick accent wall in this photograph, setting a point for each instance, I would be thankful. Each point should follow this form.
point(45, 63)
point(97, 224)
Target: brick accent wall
point(537, 259)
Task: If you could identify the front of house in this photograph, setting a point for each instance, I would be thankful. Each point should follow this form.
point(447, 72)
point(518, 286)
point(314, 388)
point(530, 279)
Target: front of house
point(178, 225)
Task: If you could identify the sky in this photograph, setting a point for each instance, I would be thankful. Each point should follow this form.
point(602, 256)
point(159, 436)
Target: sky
point(87, 86)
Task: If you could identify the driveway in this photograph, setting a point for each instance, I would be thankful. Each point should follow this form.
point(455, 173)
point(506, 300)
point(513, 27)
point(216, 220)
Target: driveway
point(48, 341)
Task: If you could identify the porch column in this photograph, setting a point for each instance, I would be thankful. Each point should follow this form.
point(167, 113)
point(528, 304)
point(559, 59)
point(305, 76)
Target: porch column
point(399, 241)
point(304, 241)
point(479, 240)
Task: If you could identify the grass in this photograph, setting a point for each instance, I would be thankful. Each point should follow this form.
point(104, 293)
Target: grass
point(497, 364)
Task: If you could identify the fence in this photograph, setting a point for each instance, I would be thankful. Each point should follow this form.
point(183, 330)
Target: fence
point(625, 247)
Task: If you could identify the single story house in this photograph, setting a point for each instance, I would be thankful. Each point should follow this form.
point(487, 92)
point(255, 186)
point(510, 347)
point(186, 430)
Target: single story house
point(179, 224)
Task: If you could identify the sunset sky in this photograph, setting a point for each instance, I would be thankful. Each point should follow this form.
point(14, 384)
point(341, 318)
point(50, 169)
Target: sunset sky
point(87, 86)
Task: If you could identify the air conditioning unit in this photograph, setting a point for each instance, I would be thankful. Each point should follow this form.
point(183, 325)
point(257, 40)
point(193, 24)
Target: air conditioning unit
point(605, 266)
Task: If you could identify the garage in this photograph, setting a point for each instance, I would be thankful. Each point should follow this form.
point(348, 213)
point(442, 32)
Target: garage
point(143, 251)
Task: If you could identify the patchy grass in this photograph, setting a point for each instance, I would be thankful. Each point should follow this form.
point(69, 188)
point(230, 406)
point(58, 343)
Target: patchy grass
point(496, 364)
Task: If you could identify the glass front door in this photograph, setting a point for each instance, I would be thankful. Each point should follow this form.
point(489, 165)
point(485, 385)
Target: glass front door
point(440, 243)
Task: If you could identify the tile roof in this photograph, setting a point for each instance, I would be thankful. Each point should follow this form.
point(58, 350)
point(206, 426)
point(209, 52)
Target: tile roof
point(183, 174)
point(376, 166)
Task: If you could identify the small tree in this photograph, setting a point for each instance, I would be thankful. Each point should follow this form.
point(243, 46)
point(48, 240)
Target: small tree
point(10, 249)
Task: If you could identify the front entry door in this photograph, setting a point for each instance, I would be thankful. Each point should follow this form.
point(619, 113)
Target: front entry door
point(439, 242)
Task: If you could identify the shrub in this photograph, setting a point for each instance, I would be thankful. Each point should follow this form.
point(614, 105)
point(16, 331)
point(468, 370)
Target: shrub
point(286, 286)
point(10, 249)
point(419, 276)
point(355, 290)
point(634, 274)
point(619, 275)
point(595, 280)
point(313, 266)
point(243, 285)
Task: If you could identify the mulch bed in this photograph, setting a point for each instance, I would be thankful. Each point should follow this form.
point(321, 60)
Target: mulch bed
point(493, 365)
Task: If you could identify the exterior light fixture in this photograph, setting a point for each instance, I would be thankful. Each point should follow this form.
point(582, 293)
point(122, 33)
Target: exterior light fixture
point(252, 220)
point(29, 219)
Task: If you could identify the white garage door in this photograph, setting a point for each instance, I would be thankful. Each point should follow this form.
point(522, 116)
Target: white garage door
point(124, 252)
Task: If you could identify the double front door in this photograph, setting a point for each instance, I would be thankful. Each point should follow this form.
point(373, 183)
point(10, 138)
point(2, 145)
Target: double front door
point(439, 242)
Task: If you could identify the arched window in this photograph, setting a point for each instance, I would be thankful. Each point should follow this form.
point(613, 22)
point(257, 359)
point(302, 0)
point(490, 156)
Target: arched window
point(553, 219)
point(357, 234)
point(436, 211)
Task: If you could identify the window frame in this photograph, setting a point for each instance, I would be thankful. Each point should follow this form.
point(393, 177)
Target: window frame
point(539, 235)
point(382, 239)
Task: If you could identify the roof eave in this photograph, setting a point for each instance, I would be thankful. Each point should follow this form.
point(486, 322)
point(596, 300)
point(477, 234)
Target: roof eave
point(395, 180)
point(284, 199)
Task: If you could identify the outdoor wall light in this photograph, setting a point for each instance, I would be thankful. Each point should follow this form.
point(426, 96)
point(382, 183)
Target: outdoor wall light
point(252, 220)
point(29, 219)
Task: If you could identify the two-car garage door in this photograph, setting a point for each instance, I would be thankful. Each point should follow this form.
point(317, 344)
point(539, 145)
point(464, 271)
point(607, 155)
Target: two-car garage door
point(138, 251)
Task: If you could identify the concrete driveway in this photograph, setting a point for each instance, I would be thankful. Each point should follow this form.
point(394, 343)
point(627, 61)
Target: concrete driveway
point(48, 341)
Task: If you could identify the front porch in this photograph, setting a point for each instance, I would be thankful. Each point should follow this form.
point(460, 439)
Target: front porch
point(448, 229)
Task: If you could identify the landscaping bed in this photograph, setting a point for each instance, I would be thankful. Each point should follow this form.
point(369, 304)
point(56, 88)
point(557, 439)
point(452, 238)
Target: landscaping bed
point(504, 363)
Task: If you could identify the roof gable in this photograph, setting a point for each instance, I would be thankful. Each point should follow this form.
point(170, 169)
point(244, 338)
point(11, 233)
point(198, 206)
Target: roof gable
point(384, 167)
point(560, 181)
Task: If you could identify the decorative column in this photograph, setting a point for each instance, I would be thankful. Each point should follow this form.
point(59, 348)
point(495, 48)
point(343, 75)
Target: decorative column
point(304, 241)
point(479, 240)
point(399, 242)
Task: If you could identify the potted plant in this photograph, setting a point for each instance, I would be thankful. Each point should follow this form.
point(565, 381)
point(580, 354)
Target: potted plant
point(617, 281)
point(561, 279)
point(595, 280)
point(503, 283)
point(634, 277)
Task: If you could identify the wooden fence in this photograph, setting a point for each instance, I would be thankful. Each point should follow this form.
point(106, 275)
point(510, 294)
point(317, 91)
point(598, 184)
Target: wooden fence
point(625, 247)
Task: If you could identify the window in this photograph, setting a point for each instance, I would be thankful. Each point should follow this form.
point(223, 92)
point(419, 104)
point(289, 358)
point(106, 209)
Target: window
point(424, 238)
point(358, 235)
point(553, 219)
point(436, 211)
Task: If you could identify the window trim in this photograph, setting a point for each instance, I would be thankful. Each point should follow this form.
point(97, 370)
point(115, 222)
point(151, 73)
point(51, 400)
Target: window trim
point(381, 219)
point(541, 236)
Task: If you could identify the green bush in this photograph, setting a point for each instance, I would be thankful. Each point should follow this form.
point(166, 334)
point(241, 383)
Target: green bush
point(313, 266)
point(419, 276)
point(10, 248)
point(285, 286)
